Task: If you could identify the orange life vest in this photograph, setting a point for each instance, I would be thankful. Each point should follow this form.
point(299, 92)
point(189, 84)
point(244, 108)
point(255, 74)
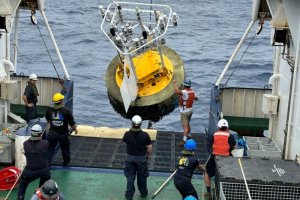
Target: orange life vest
point(221, 146)
point(190, 100)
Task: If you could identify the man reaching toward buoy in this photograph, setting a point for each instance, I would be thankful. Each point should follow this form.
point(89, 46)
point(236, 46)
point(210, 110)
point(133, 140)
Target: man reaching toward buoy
point(187, 96)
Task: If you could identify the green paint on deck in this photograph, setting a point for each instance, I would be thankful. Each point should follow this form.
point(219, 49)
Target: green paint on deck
point(85, 185)
point(246, 126)
point(19, 110)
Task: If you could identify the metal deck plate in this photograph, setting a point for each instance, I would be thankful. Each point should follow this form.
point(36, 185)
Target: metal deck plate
point(111, 153)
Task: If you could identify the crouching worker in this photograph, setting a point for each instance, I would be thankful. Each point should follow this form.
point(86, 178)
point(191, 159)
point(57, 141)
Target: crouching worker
point(221, 144)
point(186, 166)
point(48, 191)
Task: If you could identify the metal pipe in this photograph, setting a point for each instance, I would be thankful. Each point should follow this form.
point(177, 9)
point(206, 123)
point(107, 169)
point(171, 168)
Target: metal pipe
point(5, 111)
point(161, 54)
point(274, 81)
point(293, 96)
point(55, 45)
point(16, 33)
point(255, 8)
point(235, 52)
point(288, 116)
point(103, 26)
point(10, 65)
point(7, 41)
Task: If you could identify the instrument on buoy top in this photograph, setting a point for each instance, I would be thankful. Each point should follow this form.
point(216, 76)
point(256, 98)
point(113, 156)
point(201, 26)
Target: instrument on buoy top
point(139, 78)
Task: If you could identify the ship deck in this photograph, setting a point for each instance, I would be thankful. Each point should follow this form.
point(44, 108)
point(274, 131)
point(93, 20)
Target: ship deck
point(95, 171)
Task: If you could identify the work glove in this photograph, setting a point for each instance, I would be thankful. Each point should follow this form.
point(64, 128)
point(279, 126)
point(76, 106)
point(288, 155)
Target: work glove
point(242, 142)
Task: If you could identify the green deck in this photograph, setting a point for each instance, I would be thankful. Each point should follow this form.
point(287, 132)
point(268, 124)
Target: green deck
point(97, 184)
point(246, 126)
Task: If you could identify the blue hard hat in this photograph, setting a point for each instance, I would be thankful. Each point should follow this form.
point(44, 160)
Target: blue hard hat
point(190, 145)
point(190, 197)
point(187, 82)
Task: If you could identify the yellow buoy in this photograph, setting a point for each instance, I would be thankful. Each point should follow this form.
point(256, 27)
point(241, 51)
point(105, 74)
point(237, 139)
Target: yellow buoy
point(156, 97)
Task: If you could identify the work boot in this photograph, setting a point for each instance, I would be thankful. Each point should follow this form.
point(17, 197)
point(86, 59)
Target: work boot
point(181, 143)
point(208, 195)
point(20, 198)
point(128, 197)
point(66, 163)
point(144, 195)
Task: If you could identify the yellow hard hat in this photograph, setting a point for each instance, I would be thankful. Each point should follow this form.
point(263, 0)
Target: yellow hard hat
point(58, 97)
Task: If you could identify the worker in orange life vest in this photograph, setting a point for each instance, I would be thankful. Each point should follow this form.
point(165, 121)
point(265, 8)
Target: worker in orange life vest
point(48, 191)
point(187, 96)
point(221, 143)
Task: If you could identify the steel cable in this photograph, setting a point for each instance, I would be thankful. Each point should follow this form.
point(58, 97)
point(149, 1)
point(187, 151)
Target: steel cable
point(47, 50)
point(234, 68)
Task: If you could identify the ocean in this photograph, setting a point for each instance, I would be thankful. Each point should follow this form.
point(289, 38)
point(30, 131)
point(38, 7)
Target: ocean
point(207, 34)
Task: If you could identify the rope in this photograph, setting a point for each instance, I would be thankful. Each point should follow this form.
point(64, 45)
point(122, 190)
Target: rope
point(150, 11)
point(47, 50)
point(245, 181)
point(214, 115)
point(22, 169)
point(234, 68)
point(101, 77)
point(163, 185)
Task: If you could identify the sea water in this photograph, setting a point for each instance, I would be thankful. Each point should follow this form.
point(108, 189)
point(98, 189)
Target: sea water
point(207, 33)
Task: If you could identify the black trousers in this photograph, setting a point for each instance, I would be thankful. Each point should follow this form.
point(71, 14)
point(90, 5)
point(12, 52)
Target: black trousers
point(64, 140)
point(29, 176)
point(184, 186)
point(136, 167)
point(31, 113)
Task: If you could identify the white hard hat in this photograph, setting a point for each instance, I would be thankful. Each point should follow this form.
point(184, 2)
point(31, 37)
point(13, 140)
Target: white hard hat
point(33, 76)
point(223, 123)
point(36, 131)
point(136, 121)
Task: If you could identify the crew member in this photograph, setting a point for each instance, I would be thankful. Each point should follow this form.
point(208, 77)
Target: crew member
point(221, 143)
point(35, 150)
point(48, 191)
point(30, 98)
point(187, 96)
point(187, 164)
point(139, 151)
point(59, 118)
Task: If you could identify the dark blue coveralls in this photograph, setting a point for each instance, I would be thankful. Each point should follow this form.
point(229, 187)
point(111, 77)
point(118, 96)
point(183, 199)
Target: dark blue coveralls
point(59, 120)
point(31, 93)
point(183, 177)
point(136, 161)
point(37, 165)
